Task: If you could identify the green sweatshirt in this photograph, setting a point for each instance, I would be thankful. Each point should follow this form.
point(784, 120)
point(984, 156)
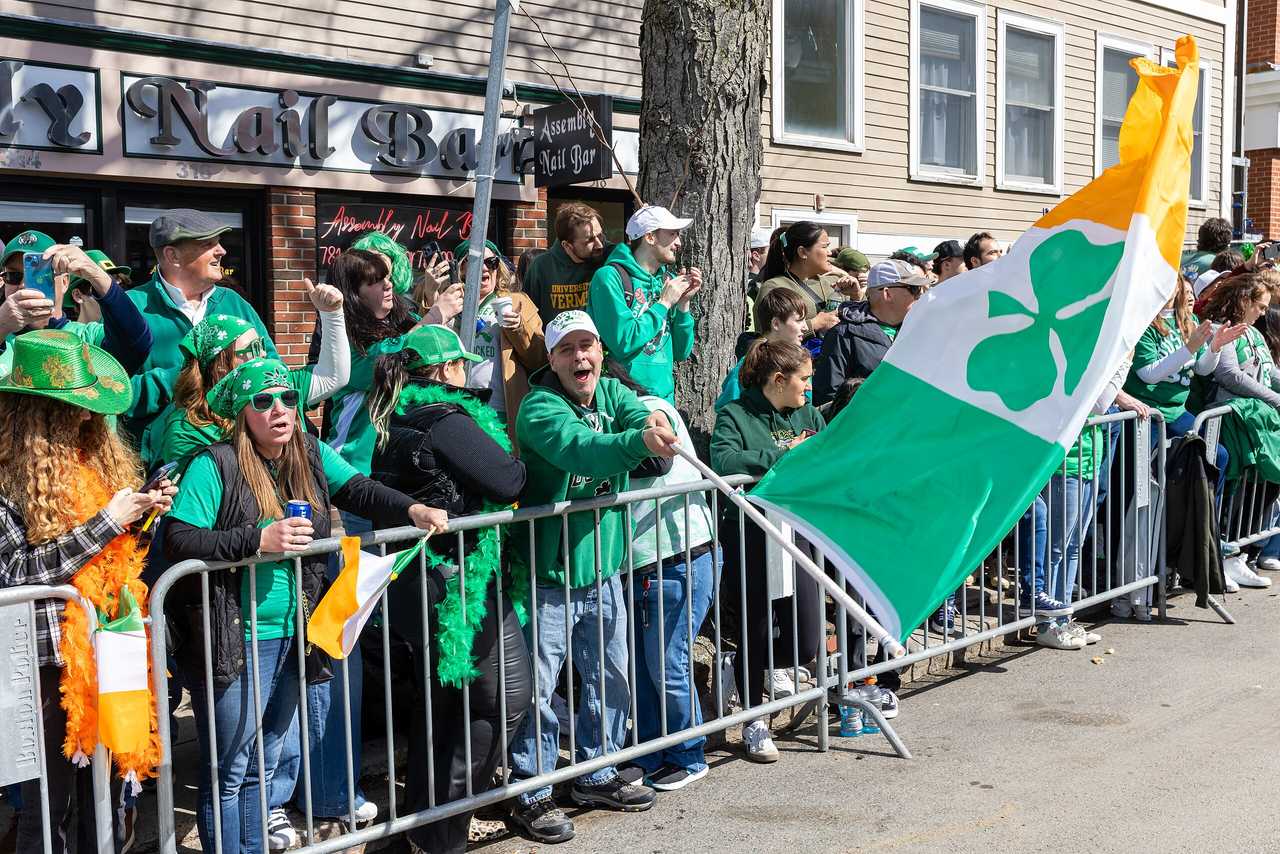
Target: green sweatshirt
point(643, 336)
point(556, 283)
point(569, 452)
point(750, 435)
point(153, 383)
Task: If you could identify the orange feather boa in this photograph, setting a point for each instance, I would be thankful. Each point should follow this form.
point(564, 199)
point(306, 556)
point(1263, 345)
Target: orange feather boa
point(99, 581)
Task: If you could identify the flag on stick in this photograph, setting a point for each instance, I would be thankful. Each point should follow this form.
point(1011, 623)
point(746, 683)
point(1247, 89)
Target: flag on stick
point(345, 608)
point(992, 376)
point(124, 698)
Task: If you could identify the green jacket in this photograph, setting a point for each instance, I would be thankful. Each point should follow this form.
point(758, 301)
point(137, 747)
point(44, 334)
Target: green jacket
point(643, 336)
point(574, 452)
point(153, 384)
point(556, 283)
point(750, 435)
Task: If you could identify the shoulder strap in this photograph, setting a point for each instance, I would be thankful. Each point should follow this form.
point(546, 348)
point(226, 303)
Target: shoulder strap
point(628, 289)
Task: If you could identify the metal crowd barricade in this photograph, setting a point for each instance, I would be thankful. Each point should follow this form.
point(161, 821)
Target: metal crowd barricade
point(22, 697)
point(1123, 542)
point(1246, 510)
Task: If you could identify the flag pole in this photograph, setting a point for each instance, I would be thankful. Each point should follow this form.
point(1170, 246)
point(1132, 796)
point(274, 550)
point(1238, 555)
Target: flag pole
point(836, 591)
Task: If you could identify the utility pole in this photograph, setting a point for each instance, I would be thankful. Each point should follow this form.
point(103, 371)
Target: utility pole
point(486, 166)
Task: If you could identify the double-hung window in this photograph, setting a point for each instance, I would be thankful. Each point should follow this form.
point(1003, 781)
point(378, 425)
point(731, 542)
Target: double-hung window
point(817, 97)
point(1029, 112)
point(1116, 83)
point(1199, 194)
point(948, 90)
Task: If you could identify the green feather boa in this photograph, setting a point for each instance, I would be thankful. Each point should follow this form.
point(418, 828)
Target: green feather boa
point(456, 624)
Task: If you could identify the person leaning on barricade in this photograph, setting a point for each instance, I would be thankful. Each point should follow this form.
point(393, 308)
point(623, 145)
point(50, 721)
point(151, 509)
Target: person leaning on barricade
point(580, 436)
point(231, 508)
point(67, 504)
point(440, 443)
point(751, 434)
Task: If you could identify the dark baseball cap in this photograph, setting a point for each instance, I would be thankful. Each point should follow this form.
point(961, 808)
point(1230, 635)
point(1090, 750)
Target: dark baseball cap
point(948, 249)
point(184, 224)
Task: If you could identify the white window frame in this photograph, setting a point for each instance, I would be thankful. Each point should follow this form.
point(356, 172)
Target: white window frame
point(1105, 42)
point(849, 221)
point(917, 172)
point(855, 97)
point(1198, 197)
point(1006, 20)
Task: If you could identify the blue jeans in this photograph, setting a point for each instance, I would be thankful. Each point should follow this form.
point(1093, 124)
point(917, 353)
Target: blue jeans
point(602, 720)
point(234, 720)
point(1071, 504)
point(675, 632)
point(1032, 535)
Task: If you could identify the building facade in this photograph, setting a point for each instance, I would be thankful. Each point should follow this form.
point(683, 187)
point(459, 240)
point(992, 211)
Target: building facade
point(1262, 116)
point(894, 122)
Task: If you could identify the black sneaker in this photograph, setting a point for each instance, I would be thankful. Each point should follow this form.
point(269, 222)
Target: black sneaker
point(615, 794)
point(542, 820)
point(631, 773)
point(668, 778)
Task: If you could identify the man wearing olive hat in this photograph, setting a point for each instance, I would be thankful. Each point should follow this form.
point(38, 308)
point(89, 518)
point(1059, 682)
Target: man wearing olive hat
point(183, 290)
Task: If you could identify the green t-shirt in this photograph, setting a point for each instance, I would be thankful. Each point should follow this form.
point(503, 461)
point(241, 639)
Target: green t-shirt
point(890, 331)
point(197, 502)
point(1167, 394)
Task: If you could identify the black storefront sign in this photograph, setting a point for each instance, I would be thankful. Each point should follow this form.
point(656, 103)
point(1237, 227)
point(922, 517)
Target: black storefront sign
point(415, 227)
point(567, 149)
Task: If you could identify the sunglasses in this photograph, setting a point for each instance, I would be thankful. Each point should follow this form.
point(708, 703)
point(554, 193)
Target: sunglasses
point(264, 400)
point(13, 277)
point(253, 349)
point(491, 263)
point(916, 290)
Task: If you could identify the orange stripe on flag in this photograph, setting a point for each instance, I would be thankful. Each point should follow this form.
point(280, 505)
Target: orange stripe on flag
point(326, 626)
point(124, 720)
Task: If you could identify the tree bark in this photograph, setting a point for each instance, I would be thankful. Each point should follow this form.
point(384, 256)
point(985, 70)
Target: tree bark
point(703, 78)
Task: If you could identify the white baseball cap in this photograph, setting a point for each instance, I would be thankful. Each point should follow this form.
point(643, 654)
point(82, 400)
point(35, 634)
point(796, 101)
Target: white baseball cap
point(564, 323)
point(650, 218)
point(1203, 281)
point(760, 237)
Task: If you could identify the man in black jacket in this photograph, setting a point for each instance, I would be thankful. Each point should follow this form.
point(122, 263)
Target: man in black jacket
point(855, 346)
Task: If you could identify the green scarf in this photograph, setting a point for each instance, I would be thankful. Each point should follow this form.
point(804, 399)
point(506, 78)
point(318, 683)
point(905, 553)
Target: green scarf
point(456, 625)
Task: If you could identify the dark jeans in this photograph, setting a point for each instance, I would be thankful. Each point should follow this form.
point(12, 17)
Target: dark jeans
point(449, 724)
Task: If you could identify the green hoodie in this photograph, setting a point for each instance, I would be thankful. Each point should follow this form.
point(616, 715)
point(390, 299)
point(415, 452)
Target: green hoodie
point(556, 283)
point(569, 452)
point(643, 336)
point(154, 381)
point(750, 435)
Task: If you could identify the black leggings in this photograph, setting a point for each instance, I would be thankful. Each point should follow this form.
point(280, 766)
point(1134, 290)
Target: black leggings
point(448, 722)
point(797, 637)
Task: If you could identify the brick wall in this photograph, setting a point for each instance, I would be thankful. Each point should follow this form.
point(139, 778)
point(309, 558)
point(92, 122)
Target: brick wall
point(1264, 191)
point(1262, 41)
point(528, 226)
point(291, 256)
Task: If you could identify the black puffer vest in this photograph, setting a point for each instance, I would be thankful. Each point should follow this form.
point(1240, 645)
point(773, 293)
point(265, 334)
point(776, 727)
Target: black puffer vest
point(240, 510)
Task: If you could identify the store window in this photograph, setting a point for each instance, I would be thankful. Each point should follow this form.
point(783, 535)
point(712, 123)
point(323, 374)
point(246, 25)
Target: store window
point(60, 221)
point(948, 91)
point(141, 258)
point(817, 56)
point(1029, 87)
point(1117, 81)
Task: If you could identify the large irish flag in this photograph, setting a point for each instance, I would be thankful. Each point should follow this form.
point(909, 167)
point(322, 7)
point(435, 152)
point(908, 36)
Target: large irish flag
point(993, 374)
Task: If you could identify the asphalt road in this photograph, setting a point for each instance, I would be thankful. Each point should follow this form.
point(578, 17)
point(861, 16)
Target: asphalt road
point(1169, 745)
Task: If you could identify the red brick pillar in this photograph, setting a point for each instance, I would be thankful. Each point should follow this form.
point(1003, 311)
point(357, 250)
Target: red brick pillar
point(292, 255)
point(1262, 41)
point(528, 226)
point(1264, 191)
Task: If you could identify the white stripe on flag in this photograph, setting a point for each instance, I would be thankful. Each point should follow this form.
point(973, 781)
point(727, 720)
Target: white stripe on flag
point(375, 574)
point(122, 661)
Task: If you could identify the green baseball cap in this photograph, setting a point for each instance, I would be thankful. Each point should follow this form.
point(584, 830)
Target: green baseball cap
point(56, 364)
point(851, 260)
point(28, 241)
point(436, 345)
point(916, 253)
point(100, 258)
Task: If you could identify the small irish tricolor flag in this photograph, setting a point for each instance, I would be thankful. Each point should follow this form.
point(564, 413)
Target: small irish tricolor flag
point(994, 373)
point(120, 649)
point(336, 623)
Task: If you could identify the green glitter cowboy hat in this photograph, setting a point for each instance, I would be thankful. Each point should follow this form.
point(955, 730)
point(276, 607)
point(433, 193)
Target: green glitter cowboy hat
point(51, 363)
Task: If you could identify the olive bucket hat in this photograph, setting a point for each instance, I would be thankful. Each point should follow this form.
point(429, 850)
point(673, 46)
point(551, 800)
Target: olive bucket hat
point(51, 363)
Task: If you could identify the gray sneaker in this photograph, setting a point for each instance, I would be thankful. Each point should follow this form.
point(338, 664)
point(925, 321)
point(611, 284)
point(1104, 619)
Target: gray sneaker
point(542, 820)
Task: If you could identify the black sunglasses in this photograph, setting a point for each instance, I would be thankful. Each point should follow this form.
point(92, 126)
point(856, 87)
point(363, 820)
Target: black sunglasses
point(492, 262)
point(916, 290)
point(13, 277)
point(264, 400)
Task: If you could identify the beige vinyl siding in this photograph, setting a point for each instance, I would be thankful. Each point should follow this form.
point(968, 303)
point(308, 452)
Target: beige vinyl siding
point(875, 185)
point(599, 43)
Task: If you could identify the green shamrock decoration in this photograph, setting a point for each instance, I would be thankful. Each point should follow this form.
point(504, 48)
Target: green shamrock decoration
point(1019, 366)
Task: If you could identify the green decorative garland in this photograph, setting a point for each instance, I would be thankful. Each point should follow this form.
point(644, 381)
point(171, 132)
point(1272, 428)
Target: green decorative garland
point(457, 625)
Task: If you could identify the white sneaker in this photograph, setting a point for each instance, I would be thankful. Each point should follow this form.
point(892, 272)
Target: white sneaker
point(1079, 631)
point(1237, 569)
point(366, 812)
point(782, 684)
point(1229, 584)
point(280, 833)
point(759, 742)
point(1269, 564)
point(1058, 637)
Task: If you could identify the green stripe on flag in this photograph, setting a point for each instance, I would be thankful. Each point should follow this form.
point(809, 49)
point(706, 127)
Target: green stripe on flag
point(402, 560)
point(907, 491)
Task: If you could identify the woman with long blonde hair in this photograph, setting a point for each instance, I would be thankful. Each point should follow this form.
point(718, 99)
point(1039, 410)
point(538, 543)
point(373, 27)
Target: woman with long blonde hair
point(67, 500)
point(232, 508)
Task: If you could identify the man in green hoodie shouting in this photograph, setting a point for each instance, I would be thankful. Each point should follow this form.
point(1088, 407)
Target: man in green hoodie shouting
point(580, 436)
point(641, 306)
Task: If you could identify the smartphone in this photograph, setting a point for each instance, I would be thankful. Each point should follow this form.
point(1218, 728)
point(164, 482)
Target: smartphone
point(1271, 252)
point(37, 273)
point(430, 251)
point(162, 473)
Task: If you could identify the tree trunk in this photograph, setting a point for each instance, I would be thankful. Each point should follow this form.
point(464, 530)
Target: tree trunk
point(700, 149)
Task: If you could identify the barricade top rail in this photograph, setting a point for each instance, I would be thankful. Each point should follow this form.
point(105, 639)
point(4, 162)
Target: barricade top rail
point(1205, 415)
point(456, 526)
